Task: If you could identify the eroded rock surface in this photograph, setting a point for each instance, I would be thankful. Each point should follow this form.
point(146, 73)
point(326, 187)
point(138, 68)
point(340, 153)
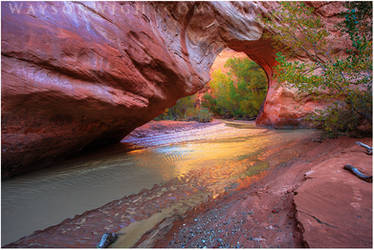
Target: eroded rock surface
point(283, 106)
point(334, 207)
point(86, 73)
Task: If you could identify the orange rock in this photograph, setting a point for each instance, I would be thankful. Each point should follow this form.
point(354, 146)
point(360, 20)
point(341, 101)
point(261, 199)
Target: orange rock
point(78, 74)
point(334, 207)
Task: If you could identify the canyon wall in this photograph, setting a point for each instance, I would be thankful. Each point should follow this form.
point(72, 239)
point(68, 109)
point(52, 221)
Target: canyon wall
point(77, 74)
point(284, 107)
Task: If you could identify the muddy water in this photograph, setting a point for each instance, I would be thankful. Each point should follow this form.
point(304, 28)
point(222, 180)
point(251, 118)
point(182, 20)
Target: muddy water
point(212, 160)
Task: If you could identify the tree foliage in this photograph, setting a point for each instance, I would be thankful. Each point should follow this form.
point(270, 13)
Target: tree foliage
point(237, 94)
point(186, 110)
point(240, 92)
point(299, 33)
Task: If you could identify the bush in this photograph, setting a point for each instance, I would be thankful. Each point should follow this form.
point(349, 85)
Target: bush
point(340, 118)
point(329, 77)
point(204, 115)
point(185, 110)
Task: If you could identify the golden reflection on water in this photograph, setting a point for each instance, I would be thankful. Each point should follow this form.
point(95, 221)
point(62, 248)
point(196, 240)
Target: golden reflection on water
point(224, 160)
point(192, 166)
point(221, 163)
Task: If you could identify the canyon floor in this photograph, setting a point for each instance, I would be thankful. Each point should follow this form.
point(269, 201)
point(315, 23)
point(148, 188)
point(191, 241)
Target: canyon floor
point(309, 202)
point(293, 192)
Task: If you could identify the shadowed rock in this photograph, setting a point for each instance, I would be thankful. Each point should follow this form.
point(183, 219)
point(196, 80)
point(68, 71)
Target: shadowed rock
point(88, 73)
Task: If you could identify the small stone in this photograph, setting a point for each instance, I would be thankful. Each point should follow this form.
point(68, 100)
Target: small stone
point(275, 210)
point(258, 239)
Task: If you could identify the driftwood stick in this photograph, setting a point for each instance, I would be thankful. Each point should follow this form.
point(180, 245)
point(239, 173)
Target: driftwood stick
point(356, 172)
point(369, 150)
point(364, 145)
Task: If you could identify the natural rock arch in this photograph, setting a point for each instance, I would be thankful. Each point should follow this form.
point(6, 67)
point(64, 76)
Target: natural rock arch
point(76, 74)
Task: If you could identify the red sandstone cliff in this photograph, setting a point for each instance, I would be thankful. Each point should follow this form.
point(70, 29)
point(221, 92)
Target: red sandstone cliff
point(82, 73)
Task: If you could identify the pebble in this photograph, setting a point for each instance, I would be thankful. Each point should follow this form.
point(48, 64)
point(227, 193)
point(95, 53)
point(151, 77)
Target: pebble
point(275, 210)
point(258, 239)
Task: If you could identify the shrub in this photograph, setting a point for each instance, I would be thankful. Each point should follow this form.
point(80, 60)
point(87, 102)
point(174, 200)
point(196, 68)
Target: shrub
point(204, 115)
point(331, 78)
point(340, 119)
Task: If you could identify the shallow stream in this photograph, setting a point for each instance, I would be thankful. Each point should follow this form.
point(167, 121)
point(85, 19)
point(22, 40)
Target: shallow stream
point(213, 159)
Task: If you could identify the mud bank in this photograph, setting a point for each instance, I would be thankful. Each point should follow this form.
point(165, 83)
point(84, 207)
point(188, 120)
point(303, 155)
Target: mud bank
point(273, 207)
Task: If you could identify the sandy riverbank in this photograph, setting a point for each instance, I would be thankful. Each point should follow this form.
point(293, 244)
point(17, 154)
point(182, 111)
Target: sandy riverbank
point(155, 128)
point(308, 200)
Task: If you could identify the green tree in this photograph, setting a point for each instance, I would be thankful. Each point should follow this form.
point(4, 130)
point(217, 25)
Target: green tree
point(298, 32)
point(239, 93)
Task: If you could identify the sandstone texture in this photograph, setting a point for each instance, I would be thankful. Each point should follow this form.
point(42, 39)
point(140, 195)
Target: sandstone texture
point(334, 207)
point(77, 74)
point(283, 106)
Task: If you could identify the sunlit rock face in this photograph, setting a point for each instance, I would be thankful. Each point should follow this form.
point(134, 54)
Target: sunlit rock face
point(221, 59)
point(283, 106)
point(87, 73)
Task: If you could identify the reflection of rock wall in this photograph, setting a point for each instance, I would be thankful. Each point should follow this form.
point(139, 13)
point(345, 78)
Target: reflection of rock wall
point(75, 74)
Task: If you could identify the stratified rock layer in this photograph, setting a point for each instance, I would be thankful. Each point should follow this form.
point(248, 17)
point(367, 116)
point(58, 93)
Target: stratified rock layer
point(87, 73)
